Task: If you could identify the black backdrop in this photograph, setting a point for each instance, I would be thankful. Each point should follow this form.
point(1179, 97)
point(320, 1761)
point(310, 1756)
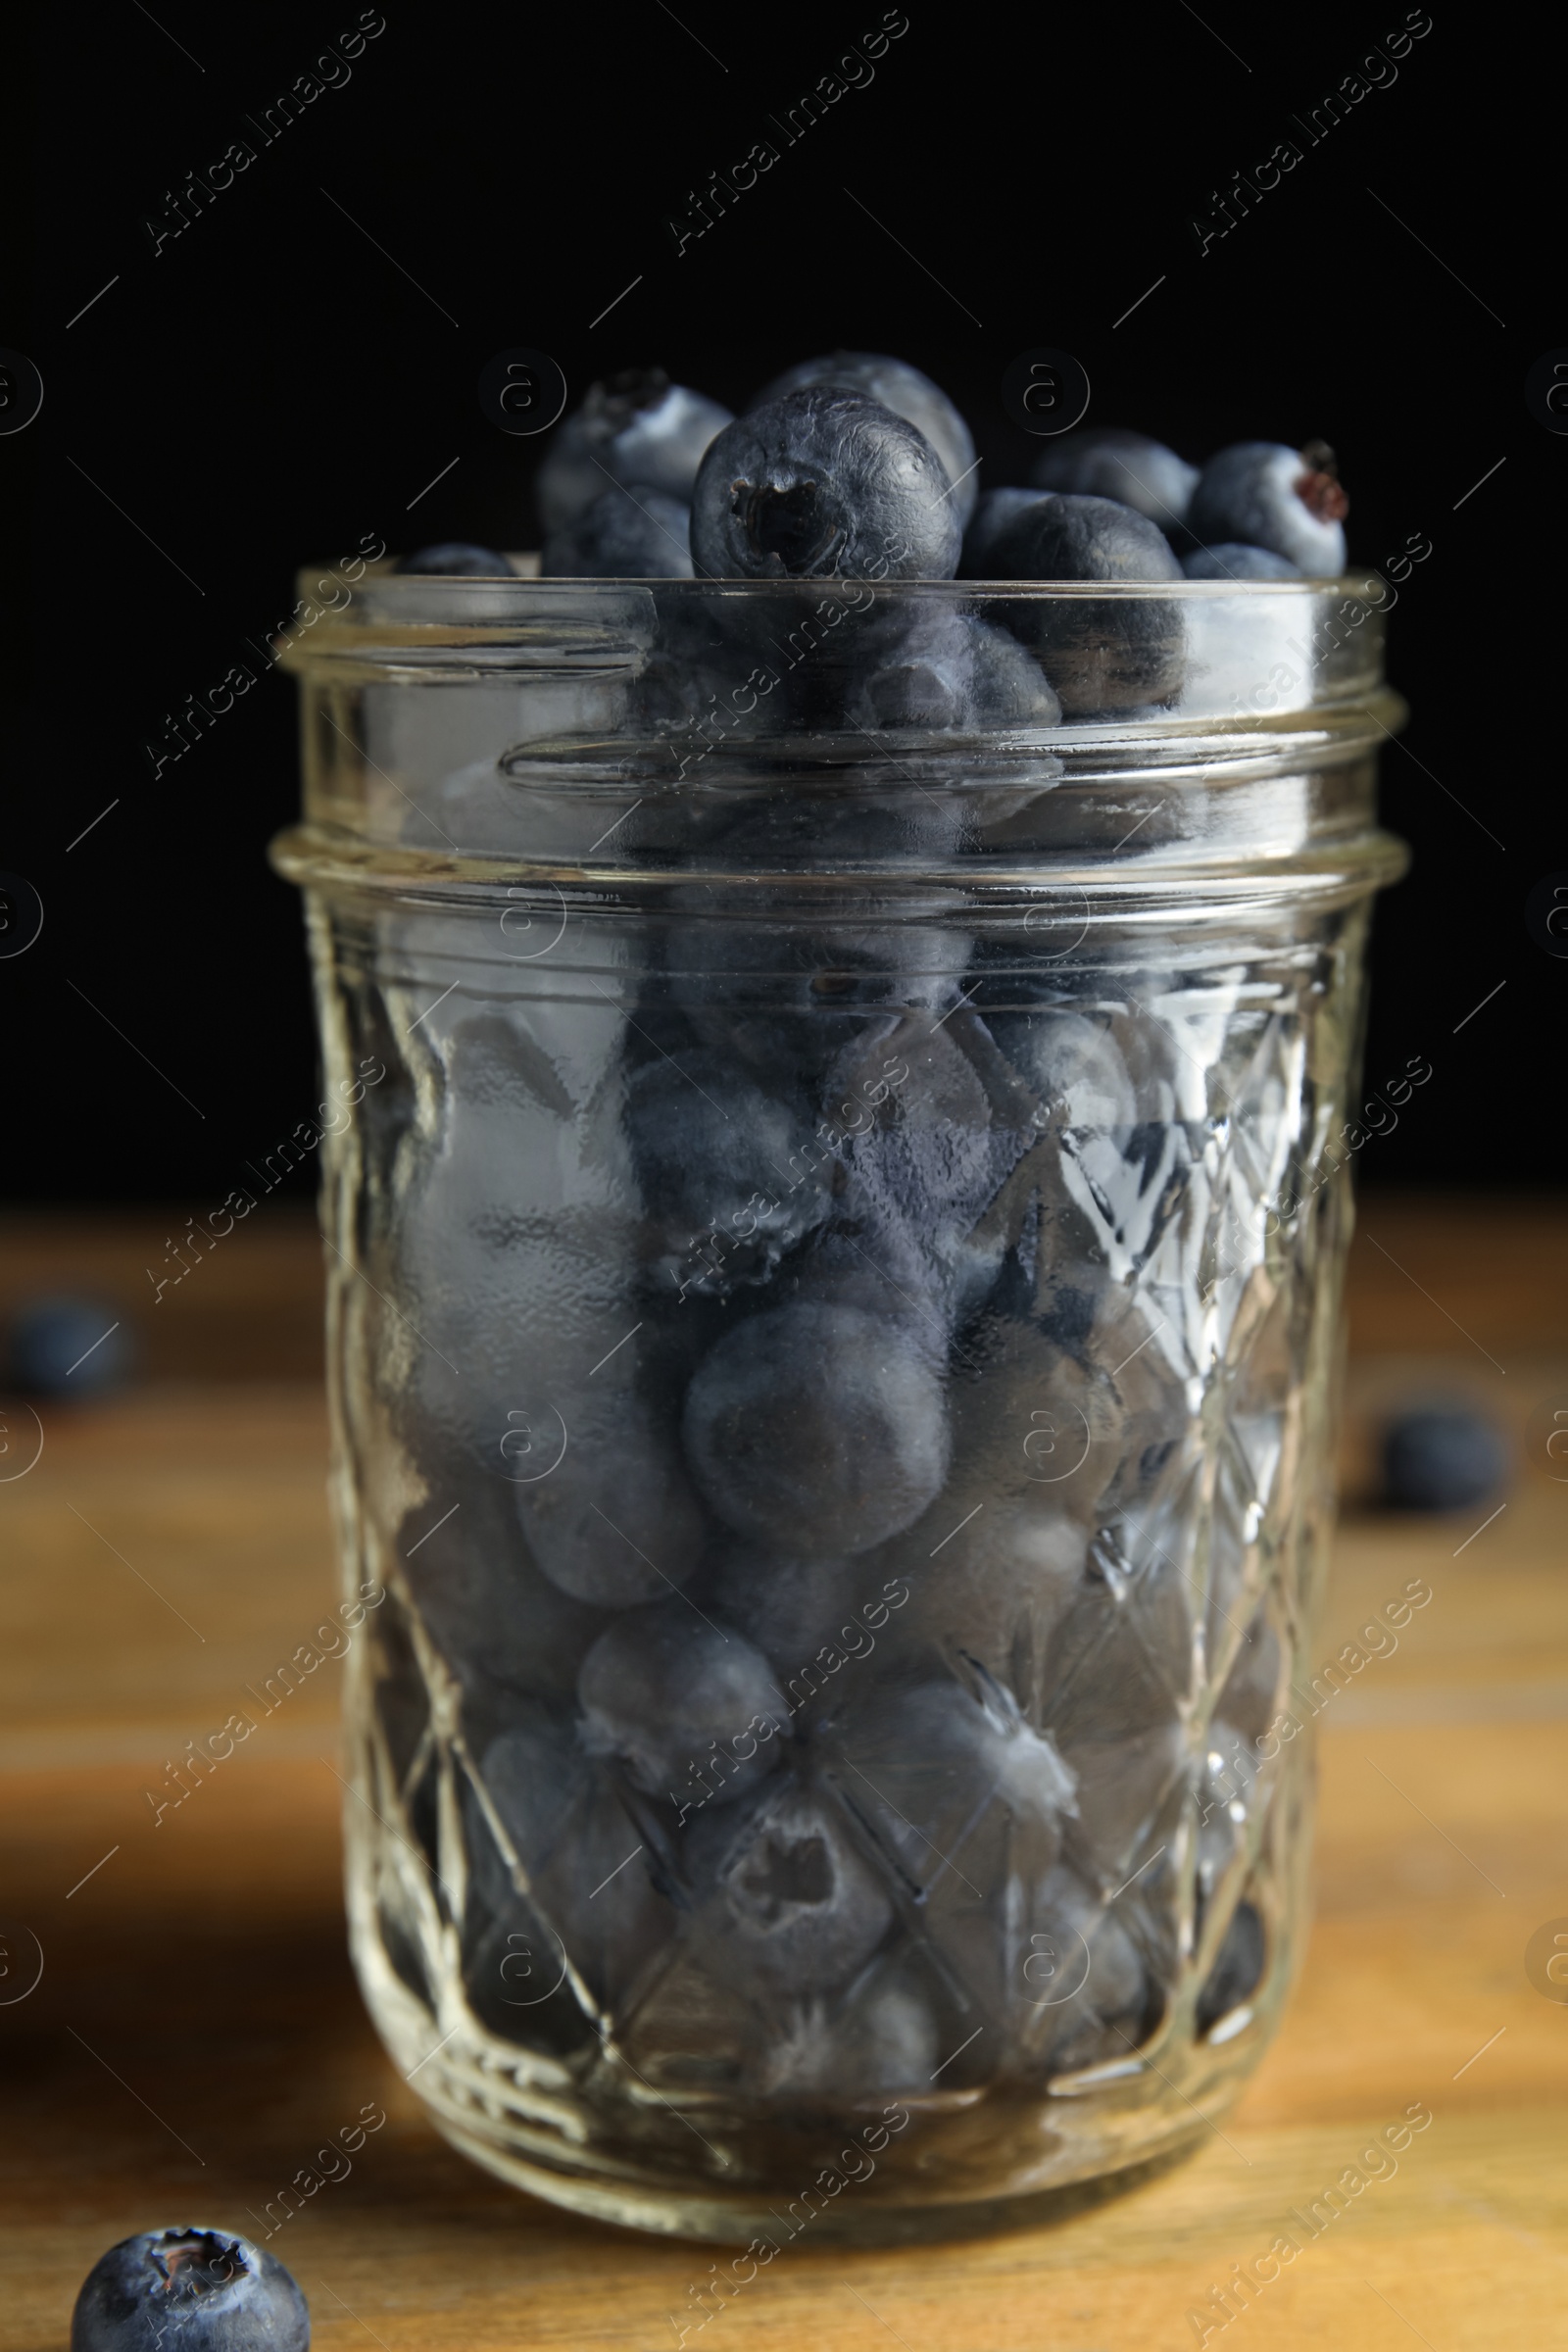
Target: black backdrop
point(286, 373)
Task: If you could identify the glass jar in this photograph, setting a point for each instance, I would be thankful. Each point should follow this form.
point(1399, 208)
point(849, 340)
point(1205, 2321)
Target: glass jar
point(834, 1250)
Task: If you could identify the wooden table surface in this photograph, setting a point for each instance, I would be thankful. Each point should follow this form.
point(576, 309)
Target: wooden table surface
point(196, 2035)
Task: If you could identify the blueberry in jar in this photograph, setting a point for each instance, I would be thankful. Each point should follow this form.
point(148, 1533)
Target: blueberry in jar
point(624, 535)
point(636, 430)
point(1104, 655)
point(1266, 494)
point(1109, 461)
point(689, 1707)
point(994, 510)
point(908, 393)
point(820, 1426)
point(822, 483)
point(189, 2290)
point(456, 558)
point(1231, 560)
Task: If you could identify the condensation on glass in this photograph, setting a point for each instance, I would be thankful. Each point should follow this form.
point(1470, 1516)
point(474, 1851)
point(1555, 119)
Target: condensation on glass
point(834, 1277)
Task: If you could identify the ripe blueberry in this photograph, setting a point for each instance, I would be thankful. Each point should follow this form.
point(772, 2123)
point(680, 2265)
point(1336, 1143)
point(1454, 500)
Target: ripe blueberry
point(624, 535)
point(1266, 494)
point(637, 430)
point(1441, 1459)
point(64, 1346)
point(456, 558)
point(824, 483)
point(1231, 560)
point(189, 2290)
point(908, 394)
point(1109, 461)
point(691, 1708)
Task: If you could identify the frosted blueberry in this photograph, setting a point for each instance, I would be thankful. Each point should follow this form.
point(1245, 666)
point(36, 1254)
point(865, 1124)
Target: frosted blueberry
point(691, 1708)
point(1232, 562)
point(791, 1907)
point(817, 1426)
point(1266, 494)
point(1109, 461)
point(636, 429)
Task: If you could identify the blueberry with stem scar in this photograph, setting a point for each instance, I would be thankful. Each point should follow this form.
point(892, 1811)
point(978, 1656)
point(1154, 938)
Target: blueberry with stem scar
point(636, 430)
point(189, 2290)
point(1266, 494)
point(818, 485)
point(904, 390)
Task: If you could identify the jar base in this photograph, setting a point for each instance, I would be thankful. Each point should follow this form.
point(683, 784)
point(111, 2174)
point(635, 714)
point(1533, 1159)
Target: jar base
point(743, 2219)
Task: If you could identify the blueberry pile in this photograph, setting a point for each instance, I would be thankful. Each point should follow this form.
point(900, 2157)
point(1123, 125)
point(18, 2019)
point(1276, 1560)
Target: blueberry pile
point(856, 466)
point(854, 1452)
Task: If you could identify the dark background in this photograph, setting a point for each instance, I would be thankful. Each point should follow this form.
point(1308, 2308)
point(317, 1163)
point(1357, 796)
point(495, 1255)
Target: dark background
point(273, 386)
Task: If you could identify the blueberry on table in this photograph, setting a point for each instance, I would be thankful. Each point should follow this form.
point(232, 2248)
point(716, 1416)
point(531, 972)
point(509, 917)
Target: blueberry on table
point(636, 429)
point(65, 1347)
point(1231, 560)
point(1442, 1459)
point(1109, 461)
point(456, 558)
point(904, 390)
point(816, 1426)
point(624, 535)
point(1266, 494)
point(690, 1707)
point(189, 2290)
point(822, 483)
point(994, 510)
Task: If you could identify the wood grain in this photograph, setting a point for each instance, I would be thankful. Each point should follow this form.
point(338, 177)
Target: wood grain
point(197, 2034)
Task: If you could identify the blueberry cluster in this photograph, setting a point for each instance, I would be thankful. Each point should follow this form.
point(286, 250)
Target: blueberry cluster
point(838, 1670)
point(855, 466)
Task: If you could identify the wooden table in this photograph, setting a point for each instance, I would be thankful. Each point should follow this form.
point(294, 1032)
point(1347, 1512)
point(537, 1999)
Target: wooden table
point(196, 2033)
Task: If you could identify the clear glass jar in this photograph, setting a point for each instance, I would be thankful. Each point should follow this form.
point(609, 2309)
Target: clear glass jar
point(834, 1272)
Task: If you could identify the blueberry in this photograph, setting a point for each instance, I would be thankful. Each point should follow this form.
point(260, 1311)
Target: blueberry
point(818, 1426)
point(189, 2290)
point(68, 1347)
point(1229, 561)
point(636, 429)
point(456, 558)
point(792, 1905)
point(994, 510)
point(624, 535)
point(1266, 495)
point(614, 1522)
point(1442, 1459)
point(1087, 1973)
point(1237, 1970)
point(727, 1175)
point(691, 1709)
point(823, 483)
point(908, 393)
point(1062, 536)
point(786, 1000)
point(1104, 655)
point(1109, 461)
